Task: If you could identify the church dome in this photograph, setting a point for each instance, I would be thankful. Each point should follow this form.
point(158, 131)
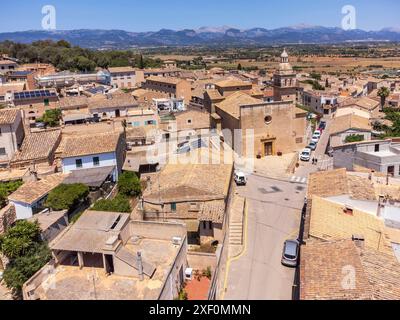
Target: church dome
point(284, 54)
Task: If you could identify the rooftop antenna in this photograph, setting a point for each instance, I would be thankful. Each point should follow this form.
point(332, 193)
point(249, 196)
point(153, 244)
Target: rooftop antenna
point(140, 265)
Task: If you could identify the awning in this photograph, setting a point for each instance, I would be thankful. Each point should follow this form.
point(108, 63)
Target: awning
point(192, 225)
point(76, 117)
point(94, 177)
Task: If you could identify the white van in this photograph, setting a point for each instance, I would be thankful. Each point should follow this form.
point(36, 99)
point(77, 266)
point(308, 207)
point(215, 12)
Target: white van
point(240, 178)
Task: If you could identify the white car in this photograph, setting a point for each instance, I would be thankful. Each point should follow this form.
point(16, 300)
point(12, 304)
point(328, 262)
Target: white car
point(315, 139)
point(306, 155)
point(240, 178)
point(317, 133)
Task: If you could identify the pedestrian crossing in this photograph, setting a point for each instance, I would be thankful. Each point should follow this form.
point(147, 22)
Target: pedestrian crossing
point(301, 180)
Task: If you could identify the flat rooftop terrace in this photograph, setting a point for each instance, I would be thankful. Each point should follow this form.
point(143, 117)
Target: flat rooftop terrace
point(71, 283)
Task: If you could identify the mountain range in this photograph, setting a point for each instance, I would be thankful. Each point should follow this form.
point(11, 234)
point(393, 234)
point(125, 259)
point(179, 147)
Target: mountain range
point(209, 36)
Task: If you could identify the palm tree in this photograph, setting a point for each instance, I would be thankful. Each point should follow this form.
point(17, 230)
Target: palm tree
point(383, 93)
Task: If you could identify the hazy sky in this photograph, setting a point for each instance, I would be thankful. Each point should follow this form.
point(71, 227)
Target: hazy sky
point(150, 15)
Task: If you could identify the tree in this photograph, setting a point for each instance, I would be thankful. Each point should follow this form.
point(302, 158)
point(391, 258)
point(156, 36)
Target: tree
point(129, 185)
point(239, 67)
point(22, 268)
point(354, 138)
point(119, 204)
point(315, 75)
point(27, 252)
point(141, 62)
point(19, 240)
point(6, 188)
point(66, 196)
point(383, 93)
point(51, 117)
point(63, 43)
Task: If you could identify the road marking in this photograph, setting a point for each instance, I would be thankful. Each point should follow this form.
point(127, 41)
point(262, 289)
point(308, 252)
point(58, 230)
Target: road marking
point(230, 260)
point(295, 179)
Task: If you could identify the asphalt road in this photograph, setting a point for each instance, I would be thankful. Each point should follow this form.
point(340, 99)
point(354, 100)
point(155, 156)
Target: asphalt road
point(273, 216)
point(274, 212)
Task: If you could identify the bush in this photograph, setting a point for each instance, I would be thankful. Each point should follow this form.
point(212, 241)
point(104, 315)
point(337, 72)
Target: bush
point(354, 138)
point(6, 188)
point(66, 196)
point(51, 117)
point(129, 185)
point(119, 204)
point(27, 253)
point(22, 268)
point(19, 240)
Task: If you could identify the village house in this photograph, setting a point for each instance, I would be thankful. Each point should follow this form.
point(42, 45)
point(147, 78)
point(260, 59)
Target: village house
point(26, 77)
point(366, 104)
point(185, 124)
point(378, 156)
point(126, 77)
point(29, 199)
point(35, 103)
point(183, 192)
point(7, 91)
point(93, 151)
point(267, 128)
point(174, 87)
point(38, 149)
point(349, 125)
point(7, 65)
point(147, 96)
point(324, 264)
point(11, 134)
point(127, 260)
point(320, 102)
point(345, 205)
point(111, 106)
point(75, 110)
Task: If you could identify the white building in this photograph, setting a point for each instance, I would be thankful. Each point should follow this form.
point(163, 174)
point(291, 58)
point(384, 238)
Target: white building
point(94, 151)
point(29, 199)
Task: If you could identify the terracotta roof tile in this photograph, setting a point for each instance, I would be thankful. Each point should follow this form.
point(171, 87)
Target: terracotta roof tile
point(90, 144)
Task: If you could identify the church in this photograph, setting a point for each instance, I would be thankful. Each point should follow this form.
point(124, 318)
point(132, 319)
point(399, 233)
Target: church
point(267, 128)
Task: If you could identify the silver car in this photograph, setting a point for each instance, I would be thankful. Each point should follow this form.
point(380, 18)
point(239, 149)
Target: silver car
point(290, 254)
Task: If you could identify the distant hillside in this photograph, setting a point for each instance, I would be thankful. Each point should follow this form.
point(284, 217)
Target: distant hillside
point(204, 36)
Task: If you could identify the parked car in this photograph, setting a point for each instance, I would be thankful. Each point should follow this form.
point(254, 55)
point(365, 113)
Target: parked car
point(315, 138)
point(306, 155)
point(313, 145)
point(317, 133)
point(322, 125)
point(290, 255)
point(40, 125)
point(240, 178)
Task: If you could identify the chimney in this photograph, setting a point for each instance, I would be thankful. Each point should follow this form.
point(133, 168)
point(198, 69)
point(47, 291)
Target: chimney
point(359, 241)
point(381, 206)
point(140, 266)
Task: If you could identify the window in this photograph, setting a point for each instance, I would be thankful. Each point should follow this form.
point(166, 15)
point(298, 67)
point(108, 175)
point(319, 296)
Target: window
point(3, 152)
point(0, 132)
point(377, 148)
point(96, 161)
point(189, 121)
point(173, 207)
point(79, 163)
point(46, 102)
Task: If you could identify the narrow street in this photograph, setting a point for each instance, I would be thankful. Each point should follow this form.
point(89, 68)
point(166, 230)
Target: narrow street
point(273, 216)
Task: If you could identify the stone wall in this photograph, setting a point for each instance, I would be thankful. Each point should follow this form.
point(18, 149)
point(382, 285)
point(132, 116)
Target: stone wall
point(201, 261)
point(7, 217)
